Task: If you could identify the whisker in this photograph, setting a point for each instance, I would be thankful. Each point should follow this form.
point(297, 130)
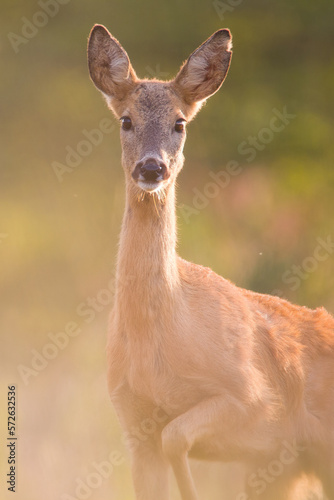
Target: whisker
point(155, 204)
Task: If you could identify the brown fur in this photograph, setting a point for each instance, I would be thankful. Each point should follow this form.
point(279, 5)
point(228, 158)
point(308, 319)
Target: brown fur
point(232, 374)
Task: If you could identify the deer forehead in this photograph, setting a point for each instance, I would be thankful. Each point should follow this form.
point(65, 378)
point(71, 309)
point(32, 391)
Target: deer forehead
point(153, 101)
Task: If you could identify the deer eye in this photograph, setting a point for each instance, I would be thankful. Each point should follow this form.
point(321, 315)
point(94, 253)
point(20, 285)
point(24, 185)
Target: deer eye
point(126, 123)
point(179, 125)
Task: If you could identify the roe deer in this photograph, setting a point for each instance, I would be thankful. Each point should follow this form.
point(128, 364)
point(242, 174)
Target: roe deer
point(229, 374)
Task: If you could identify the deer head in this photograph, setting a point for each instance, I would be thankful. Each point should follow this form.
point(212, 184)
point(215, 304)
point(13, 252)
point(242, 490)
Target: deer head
point(154, 114)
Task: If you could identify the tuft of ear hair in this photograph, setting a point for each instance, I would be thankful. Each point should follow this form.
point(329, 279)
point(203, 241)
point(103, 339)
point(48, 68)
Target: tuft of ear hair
point(109, 65)
point(204, 71)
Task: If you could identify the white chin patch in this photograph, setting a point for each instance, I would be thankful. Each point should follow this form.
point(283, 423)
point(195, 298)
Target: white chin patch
point(150, 187)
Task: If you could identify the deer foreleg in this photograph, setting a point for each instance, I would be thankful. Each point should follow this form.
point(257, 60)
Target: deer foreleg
point(150, 474)
point(199, 423)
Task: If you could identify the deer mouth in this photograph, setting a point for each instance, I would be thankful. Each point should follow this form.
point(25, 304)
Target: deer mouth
point(150, 187)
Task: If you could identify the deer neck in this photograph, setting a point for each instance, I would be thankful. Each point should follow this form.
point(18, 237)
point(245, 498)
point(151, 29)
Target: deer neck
point(147, 272)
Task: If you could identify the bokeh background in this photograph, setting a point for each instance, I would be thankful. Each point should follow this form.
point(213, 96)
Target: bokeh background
point(59, 233)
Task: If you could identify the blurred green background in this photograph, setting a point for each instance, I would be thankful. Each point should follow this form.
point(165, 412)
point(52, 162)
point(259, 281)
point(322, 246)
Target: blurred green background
point(270, 228)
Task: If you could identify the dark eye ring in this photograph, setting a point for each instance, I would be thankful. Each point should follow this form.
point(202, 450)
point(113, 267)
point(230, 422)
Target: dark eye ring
point(179, 125)
point(126, 123)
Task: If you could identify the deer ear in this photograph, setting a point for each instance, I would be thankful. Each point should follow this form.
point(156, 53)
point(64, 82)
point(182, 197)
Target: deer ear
point(109, 65)
point(205, 69)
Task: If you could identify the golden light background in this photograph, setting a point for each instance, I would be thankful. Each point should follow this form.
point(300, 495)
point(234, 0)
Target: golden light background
point(268, 227)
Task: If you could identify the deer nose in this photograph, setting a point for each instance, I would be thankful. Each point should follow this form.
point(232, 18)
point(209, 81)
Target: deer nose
point(150, 171)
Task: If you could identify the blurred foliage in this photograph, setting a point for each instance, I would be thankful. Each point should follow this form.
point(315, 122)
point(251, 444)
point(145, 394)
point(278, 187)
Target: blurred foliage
point(58, 240)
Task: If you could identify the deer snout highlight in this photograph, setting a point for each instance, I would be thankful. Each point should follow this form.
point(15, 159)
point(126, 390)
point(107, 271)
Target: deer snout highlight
point(150, 170)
